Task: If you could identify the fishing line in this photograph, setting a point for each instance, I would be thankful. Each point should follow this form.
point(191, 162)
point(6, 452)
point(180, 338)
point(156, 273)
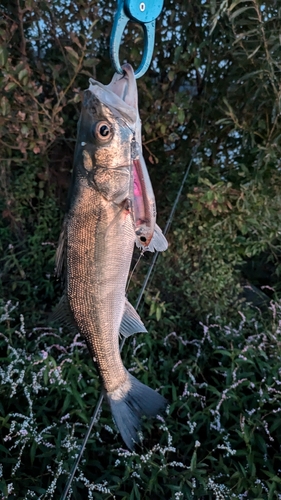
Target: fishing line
point(133, 270)
point(94, 417)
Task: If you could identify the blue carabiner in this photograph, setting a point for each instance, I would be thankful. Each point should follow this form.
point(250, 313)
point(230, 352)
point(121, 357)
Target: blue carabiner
point(143, 12)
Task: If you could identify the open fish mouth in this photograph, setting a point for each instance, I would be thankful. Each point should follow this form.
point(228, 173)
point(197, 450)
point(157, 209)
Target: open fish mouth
point(125, 87)
point(121, 96)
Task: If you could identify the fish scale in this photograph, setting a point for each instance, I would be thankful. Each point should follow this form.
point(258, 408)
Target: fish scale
point(97, 297)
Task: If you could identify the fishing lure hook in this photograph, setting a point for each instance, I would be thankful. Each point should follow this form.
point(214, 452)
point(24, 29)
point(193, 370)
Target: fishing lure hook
point(144, 13)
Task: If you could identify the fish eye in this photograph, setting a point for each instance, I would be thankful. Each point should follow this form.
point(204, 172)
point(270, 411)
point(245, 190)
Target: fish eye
point(103, 131)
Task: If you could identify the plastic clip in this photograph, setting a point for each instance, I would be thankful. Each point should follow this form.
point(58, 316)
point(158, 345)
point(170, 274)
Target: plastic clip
point(144, 13)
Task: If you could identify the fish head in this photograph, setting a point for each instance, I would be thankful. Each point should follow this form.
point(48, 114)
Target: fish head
point(108, 154)
point(107, 124)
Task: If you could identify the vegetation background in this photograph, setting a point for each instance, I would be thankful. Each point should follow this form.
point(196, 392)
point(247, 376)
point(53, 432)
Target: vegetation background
point(212, 97)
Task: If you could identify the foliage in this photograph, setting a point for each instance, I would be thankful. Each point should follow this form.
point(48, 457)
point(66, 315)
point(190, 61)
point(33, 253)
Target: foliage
point(213, 96)
point(211, 100)
point(220, 439)
point(215, 233)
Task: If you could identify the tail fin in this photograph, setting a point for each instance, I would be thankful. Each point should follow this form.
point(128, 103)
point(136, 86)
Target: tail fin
point(129, 403)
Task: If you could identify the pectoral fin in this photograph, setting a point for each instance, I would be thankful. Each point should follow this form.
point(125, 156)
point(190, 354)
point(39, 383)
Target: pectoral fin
point(158, 242)
point(131, 322)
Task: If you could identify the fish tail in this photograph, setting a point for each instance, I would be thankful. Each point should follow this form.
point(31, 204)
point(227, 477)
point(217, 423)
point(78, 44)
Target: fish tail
point(129, 403)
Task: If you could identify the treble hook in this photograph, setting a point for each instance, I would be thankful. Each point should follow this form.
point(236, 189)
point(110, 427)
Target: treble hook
point(144, 13)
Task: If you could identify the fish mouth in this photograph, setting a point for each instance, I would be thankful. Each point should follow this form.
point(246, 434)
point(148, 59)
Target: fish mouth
point(124, 86)
point(120, 95)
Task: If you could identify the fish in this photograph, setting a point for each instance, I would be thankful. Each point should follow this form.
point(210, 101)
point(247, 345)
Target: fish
point(111, 206)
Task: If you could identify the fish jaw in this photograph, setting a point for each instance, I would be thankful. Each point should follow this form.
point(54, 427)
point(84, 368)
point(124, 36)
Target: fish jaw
point(120, 96)
point(125, 86)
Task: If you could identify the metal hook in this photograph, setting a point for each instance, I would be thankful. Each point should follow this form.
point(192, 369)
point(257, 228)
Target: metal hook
point(143, 12)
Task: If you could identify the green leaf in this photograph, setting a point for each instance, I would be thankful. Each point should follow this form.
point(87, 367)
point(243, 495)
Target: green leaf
point(210, 195)
point(46, 376)
point(4, 450)
point(273, 477)
point(193, 462)
point(72, 56)
point(5, 106)
point(91, 62)
point(10, 86)
point(181, 115)
point(177, 53)
point(197, 62)
point(66, 403)
point(235, 3)
point(158, 313)
point(239, 11)
point(33, 451)
point(171, 75)
point(22, 74)
point(3, 55)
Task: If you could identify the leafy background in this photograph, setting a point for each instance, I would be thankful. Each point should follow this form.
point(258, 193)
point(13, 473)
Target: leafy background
point(211, 99)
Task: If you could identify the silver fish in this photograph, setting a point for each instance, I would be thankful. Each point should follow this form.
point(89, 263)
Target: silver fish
point(97, 241)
